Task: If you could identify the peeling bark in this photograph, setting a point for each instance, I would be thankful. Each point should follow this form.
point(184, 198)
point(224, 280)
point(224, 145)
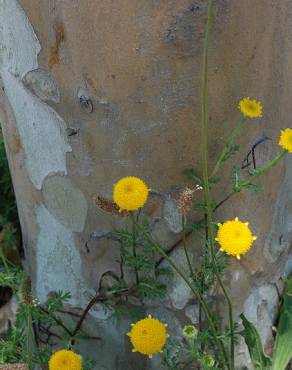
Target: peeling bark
point(96, 90)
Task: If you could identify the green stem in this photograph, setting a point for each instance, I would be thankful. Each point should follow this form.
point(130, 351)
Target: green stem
point(264, 168)
point(185, 246)
point(4, 261)
point(132, 215)
point(206, 176)
point(249, 181)
point(57, 320)
point(199, 297)
point(227, 145)
point(30, 340)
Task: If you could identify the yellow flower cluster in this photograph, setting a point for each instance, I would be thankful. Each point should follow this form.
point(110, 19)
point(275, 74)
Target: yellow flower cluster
point(65, 360)
point(130, 193)
point(148, 336)
point(286, 140)
point(235, 237)
point(250, 108)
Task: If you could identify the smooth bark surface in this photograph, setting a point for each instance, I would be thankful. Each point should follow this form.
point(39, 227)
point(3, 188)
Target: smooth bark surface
point(96, 90)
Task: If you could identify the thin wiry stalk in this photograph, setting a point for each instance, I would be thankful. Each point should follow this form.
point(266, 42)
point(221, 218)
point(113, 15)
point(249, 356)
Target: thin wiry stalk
point(185, 246)
point(132, 216)
point(205, 118)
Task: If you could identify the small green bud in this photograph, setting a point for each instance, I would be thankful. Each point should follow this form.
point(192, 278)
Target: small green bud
point(190, 332)
point(209, 360)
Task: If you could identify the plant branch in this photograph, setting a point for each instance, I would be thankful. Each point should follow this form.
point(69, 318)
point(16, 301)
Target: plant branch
point(97, 299)
point(227, 146)
point(281, 154)
point(197, 294)
point(57, 320)
point(259, 172)
point(185, 246)
point(132, 216)
point(207, 197)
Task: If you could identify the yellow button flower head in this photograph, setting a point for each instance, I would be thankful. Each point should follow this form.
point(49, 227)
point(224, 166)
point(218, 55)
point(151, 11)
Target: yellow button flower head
point(235, 237)
point(130, 193)
point(250, 108)
point(148, 336)
point(286, 139)
point(65, 360)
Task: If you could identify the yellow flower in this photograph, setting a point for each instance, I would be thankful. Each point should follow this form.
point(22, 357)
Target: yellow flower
point(65, 360)
point(130, 193)
point(250, 108)
point(235, 237)
point(148, 336)
point(286, 139)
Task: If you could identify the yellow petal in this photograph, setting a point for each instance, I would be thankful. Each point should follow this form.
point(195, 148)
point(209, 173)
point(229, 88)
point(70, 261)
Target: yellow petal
point(238, 257)
point(236, 219)
point(254, 238)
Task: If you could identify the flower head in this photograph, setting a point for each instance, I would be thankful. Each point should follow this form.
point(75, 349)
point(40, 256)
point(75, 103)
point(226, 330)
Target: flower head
point(148, 336)
point(286, 139)
point(65, 360)
point(250, 108)
point(190, 332)
point(209, 361)
point(130, 193)
point(235, 237)
point(109, 206)
point(185, 199)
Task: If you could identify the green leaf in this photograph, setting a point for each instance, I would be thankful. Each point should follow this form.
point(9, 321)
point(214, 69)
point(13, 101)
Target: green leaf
point(253, 187)
point(235, 178)
point(230, 151)
point(200, 207)
point(283, 347)
point(214, 180)
point(253, 341)
point(191, 174)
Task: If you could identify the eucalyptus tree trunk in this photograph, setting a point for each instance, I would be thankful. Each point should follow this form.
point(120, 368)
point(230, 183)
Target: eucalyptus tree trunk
point(96, 90)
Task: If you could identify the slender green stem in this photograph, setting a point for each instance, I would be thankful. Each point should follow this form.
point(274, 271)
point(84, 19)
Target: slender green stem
point(249, 181)
point(4, 261)
point(30, 339)
point(185, 246)
point(206, 176)
point(196, 293)
point(2, 255)
point(264, 168)
point(132, 215)
point(57, 320)
point(227, 145)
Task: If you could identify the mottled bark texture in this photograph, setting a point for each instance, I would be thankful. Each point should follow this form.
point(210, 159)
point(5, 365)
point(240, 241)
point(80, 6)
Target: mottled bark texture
point(96, 90)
